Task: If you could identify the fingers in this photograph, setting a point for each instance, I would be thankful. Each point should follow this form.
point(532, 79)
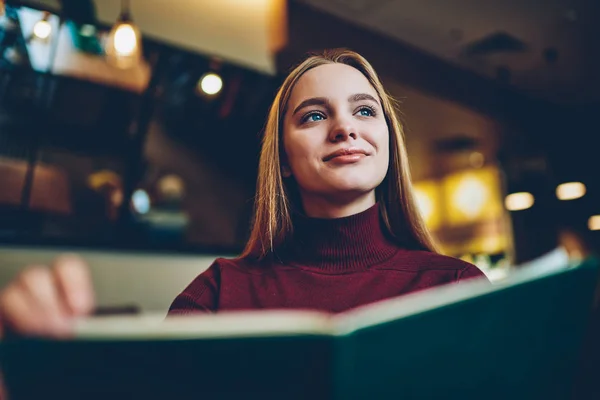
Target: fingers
point(31, 305)
point(74, 283)
point(43, 301)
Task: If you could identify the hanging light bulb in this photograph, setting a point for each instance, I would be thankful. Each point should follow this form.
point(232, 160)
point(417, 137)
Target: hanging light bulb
point(210, 83)
point(42, 29)
point(124, 45)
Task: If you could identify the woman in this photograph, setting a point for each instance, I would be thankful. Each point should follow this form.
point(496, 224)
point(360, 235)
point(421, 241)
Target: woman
point(335, 222)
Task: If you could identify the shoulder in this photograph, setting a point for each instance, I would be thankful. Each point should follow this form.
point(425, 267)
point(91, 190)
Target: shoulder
point(203, 292)
point(420, 260)
point(205, 283)
point(440, 261)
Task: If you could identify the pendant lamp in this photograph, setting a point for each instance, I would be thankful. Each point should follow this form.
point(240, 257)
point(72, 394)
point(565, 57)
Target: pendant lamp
point(124, 45)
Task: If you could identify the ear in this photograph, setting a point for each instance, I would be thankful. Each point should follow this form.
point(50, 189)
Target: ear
point(285, 171)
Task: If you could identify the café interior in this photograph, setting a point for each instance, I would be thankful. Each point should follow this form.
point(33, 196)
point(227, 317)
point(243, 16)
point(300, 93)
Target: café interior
point(130, 130)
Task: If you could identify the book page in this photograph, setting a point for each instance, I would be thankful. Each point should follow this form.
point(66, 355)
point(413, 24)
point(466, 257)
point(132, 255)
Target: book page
point(222, 325)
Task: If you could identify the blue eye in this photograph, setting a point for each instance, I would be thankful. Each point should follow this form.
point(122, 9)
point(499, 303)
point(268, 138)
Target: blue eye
point(366, 112)
point(313, 117)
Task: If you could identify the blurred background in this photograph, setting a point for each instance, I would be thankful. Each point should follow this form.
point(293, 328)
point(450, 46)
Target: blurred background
point(130, 130)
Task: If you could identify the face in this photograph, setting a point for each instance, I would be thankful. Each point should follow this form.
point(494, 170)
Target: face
point(335, 136)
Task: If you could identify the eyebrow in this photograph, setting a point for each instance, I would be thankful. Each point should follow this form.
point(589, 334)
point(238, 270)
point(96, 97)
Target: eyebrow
point(322, 101)
point(360, 97)
point(314, 101)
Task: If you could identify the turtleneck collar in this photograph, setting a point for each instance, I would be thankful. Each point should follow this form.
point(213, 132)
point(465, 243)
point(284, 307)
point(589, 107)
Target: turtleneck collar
point(340, 244)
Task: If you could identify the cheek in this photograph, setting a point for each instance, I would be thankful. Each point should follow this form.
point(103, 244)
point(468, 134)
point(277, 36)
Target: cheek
point(384, 145)
point(381, 142)
point(289, 147)
point(297, 150)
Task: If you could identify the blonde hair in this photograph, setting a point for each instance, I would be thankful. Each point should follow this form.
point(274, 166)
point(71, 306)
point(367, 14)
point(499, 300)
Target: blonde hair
point(272, 223)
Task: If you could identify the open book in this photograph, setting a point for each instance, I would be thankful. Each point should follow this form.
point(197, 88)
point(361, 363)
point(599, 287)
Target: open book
point(518, 339)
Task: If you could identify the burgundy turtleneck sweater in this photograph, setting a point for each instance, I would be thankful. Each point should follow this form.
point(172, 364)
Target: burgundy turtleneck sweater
point(333, 265)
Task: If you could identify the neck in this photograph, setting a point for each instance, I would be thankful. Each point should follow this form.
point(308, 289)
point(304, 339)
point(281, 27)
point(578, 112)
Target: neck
point(330, 208)
point(341, 244)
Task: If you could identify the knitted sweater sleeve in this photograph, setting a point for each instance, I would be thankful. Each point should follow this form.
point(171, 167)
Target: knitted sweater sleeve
point(469, 272)
point(201, 295)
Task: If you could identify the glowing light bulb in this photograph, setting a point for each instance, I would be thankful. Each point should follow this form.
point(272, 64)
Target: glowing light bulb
point(42, 29)
point(519, 201)
point(570, 191)
point(125, 40)
point(594, 223)
point(123, 48)
point(211, 83)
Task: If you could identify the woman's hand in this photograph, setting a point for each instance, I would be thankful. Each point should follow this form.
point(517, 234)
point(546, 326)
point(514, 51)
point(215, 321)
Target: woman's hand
point(42, 300)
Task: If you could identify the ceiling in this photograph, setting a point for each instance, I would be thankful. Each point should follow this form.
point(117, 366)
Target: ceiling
point(238, 30)
point(547, 46)
point(544, 47)
point(245, 32)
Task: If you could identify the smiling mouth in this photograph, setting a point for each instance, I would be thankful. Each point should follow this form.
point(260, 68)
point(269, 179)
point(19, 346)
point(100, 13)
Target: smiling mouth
point(345, 152)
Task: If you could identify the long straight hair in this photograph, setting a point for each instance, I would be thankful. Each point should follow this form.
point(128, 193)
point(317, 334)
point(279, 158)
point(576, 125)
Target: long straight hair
point(274, 201)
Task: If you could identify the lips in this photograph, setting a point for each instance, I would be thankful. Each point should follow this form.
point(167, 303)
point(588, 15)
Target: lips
point(344, 152)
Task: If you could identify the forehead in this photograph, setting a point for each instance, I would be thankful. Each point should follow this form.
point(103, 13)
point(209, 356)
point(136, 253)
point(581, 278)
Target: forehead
point(331, 81)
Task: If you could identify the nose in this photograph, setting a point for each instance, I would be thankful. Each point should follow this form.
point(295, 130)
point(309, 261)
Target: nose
point(342, 130)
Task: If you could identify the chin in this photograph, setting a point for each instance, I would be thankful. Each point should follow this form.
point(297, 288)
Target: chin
point(353, 186)
point(355, 182)
point(333, 184)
